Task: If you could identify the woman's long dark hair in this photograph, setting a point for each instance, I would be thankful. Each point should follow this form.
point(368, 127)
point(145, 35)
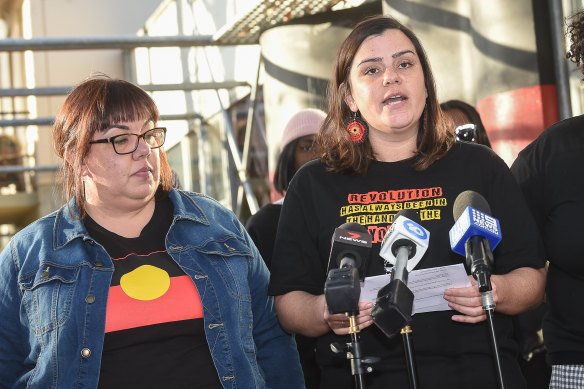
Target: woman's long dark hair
point(285, 168)
point(342, 155)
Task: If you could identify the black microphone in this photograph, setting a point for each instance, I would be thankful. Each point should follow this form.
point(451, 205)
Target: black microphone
point(474, 235)
point(350, 246)
point(404, 245)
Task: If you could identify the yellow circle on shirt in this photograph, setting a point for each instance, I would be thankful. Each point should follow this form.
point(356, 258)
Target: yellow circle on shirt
point(145, 283)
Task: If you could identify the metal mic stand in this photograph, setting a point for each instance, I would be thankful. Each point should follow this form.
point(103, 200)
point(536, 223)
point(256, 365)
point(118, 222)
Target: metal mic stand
point(409, 350)
point(479, 257)
point(489, 308)
point(354, 354)
point(342, 291)
point(401, 273)
point(393, 309)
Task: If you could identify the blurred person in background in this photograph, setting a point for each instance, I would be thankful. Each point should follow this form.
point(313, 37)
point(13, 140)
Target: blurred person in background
point(465, 122)
point(549, 170)
point(385, 147)
point(296, 148)
point(133, 283)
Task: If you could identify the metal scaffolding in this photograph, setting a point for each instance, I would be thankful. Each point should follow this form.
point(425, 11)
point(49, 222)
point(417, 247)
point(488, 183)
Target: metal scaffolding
point(244, 31)
point(131, 42)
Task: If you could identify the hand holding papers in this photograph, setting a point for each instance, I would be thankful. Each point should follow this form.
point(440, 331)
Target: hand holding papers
point(428, 286)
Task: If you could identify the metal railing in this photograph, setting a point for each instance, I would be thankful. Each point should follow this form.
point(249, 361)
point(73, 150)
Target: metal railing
point(132, 42)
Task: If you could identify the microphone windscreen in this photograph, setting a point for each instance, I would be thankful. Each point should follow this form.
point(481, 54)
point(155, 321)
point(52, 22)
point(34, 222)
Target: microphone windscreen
point(408, 213)
point(471, 199)
point(353, 227)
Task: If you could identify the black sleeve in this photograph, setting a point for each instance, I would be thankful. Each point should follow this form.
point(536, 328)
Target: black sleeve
point(521, 244)
point(528, 173)
point(261, 227)
point(297, 266)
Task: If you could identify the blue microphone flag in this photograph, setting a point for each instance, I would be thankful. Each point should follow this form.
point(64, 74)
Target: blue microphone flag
point(474, 222)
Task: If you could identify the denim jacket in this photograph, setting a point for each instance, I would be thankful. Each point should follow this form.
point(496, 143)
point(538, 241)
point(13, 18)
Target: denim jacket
point(54, 283)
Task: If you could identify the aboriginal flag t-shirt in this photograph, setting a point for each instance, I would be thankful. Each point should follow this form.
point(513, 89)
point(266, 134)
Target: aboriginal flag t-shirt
point(154, 331)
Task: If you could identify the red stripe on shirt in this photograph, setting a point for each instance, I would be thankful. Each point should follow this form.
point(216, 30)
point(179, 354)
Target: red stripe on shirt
point(180, 302)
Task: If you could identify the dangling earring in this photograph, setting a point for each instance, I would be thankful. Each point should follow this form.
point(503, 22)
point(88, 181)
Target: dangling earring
point(357, 129)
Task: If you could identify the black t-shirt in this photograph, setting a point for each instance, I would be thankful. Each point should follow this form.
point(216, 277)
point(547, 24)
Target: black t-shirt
point(448, 354)
point(262, 227)
point(549, 171)
point(154, 320)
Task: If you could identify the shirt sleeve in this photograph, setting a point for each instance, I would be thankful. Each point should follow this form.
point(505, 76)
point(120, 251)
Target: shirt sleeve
point(12, 345)
point(296, 263)
point(521, 245)
point(529, 175)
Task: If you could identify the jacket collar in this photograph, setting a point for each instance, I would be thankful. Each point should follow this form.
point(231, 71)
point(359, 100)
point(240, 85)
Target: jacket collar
point(185, 207)
point(68, 226)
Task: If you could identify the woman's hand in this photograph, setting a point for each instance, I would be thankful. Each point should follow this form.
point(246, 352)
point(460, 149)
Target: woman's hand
point(339, 322)
point(468, 302)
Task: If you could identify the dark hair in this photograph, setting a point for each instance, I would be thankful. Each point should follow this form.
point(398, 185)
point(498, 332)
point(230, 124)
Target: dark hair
point(342, 155)
point(92, 107)
point(285, 169)
point(575, 31)
point(473, 115)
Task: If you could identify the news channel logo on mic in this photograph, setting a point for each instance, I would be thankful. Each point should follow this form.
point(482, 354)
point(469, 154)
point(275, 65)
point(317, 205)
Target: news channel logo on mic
point(406, 229)
point(474, 222)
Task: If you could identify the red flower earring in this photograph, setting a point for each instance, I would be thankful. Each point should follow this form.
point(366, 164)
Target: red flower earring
point(357, 129)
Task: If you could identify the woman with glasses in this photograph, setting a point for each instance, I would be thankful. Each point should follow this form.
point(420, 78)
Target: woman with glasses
point(134, 284)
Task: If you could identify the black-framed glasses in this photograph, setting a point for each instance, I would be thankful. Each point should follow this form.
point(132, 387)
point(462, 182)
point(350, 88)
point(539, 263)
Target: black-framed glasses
point(128, 143)
point(466, 132)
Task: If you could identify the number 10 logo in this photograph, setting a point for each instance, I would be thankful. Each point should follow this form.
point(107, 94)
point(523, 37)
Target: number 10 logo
point(416, 229)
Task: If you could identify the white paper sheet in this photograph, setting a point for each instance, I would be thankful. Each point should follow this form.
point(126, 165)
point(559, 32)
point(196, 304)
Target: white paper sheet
point(428, 286)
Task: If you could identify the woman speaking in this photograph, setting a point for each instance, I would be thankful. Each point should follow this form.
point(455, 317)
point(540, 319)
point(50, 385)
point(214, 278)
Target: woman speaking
point(385, 147)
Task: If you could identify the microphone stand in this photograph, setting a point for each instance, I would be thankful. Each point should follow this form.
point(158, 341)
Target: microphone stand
point(489, 308)
point(409, 350)
point(354, 353)
point(393, 310)
point(401, 273)
point(479, 257)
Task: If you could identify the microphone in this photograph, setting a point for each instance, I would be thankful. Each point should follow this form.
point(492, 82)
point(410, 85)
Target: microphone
point(404, 245)
point(475, 235)
point(350, 246)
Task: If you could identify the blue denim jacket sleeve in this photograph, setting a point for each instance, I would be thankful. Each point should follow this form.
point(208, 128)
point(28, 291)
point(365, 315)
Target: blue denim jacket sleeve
point(277, 353)
point(12, 347)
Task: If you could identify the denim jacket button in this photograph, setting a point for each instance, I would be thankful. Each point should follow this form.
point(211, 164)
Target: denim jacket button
point(90, 299)
point(85, 353)
point(45, 273)
point(98, 263)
